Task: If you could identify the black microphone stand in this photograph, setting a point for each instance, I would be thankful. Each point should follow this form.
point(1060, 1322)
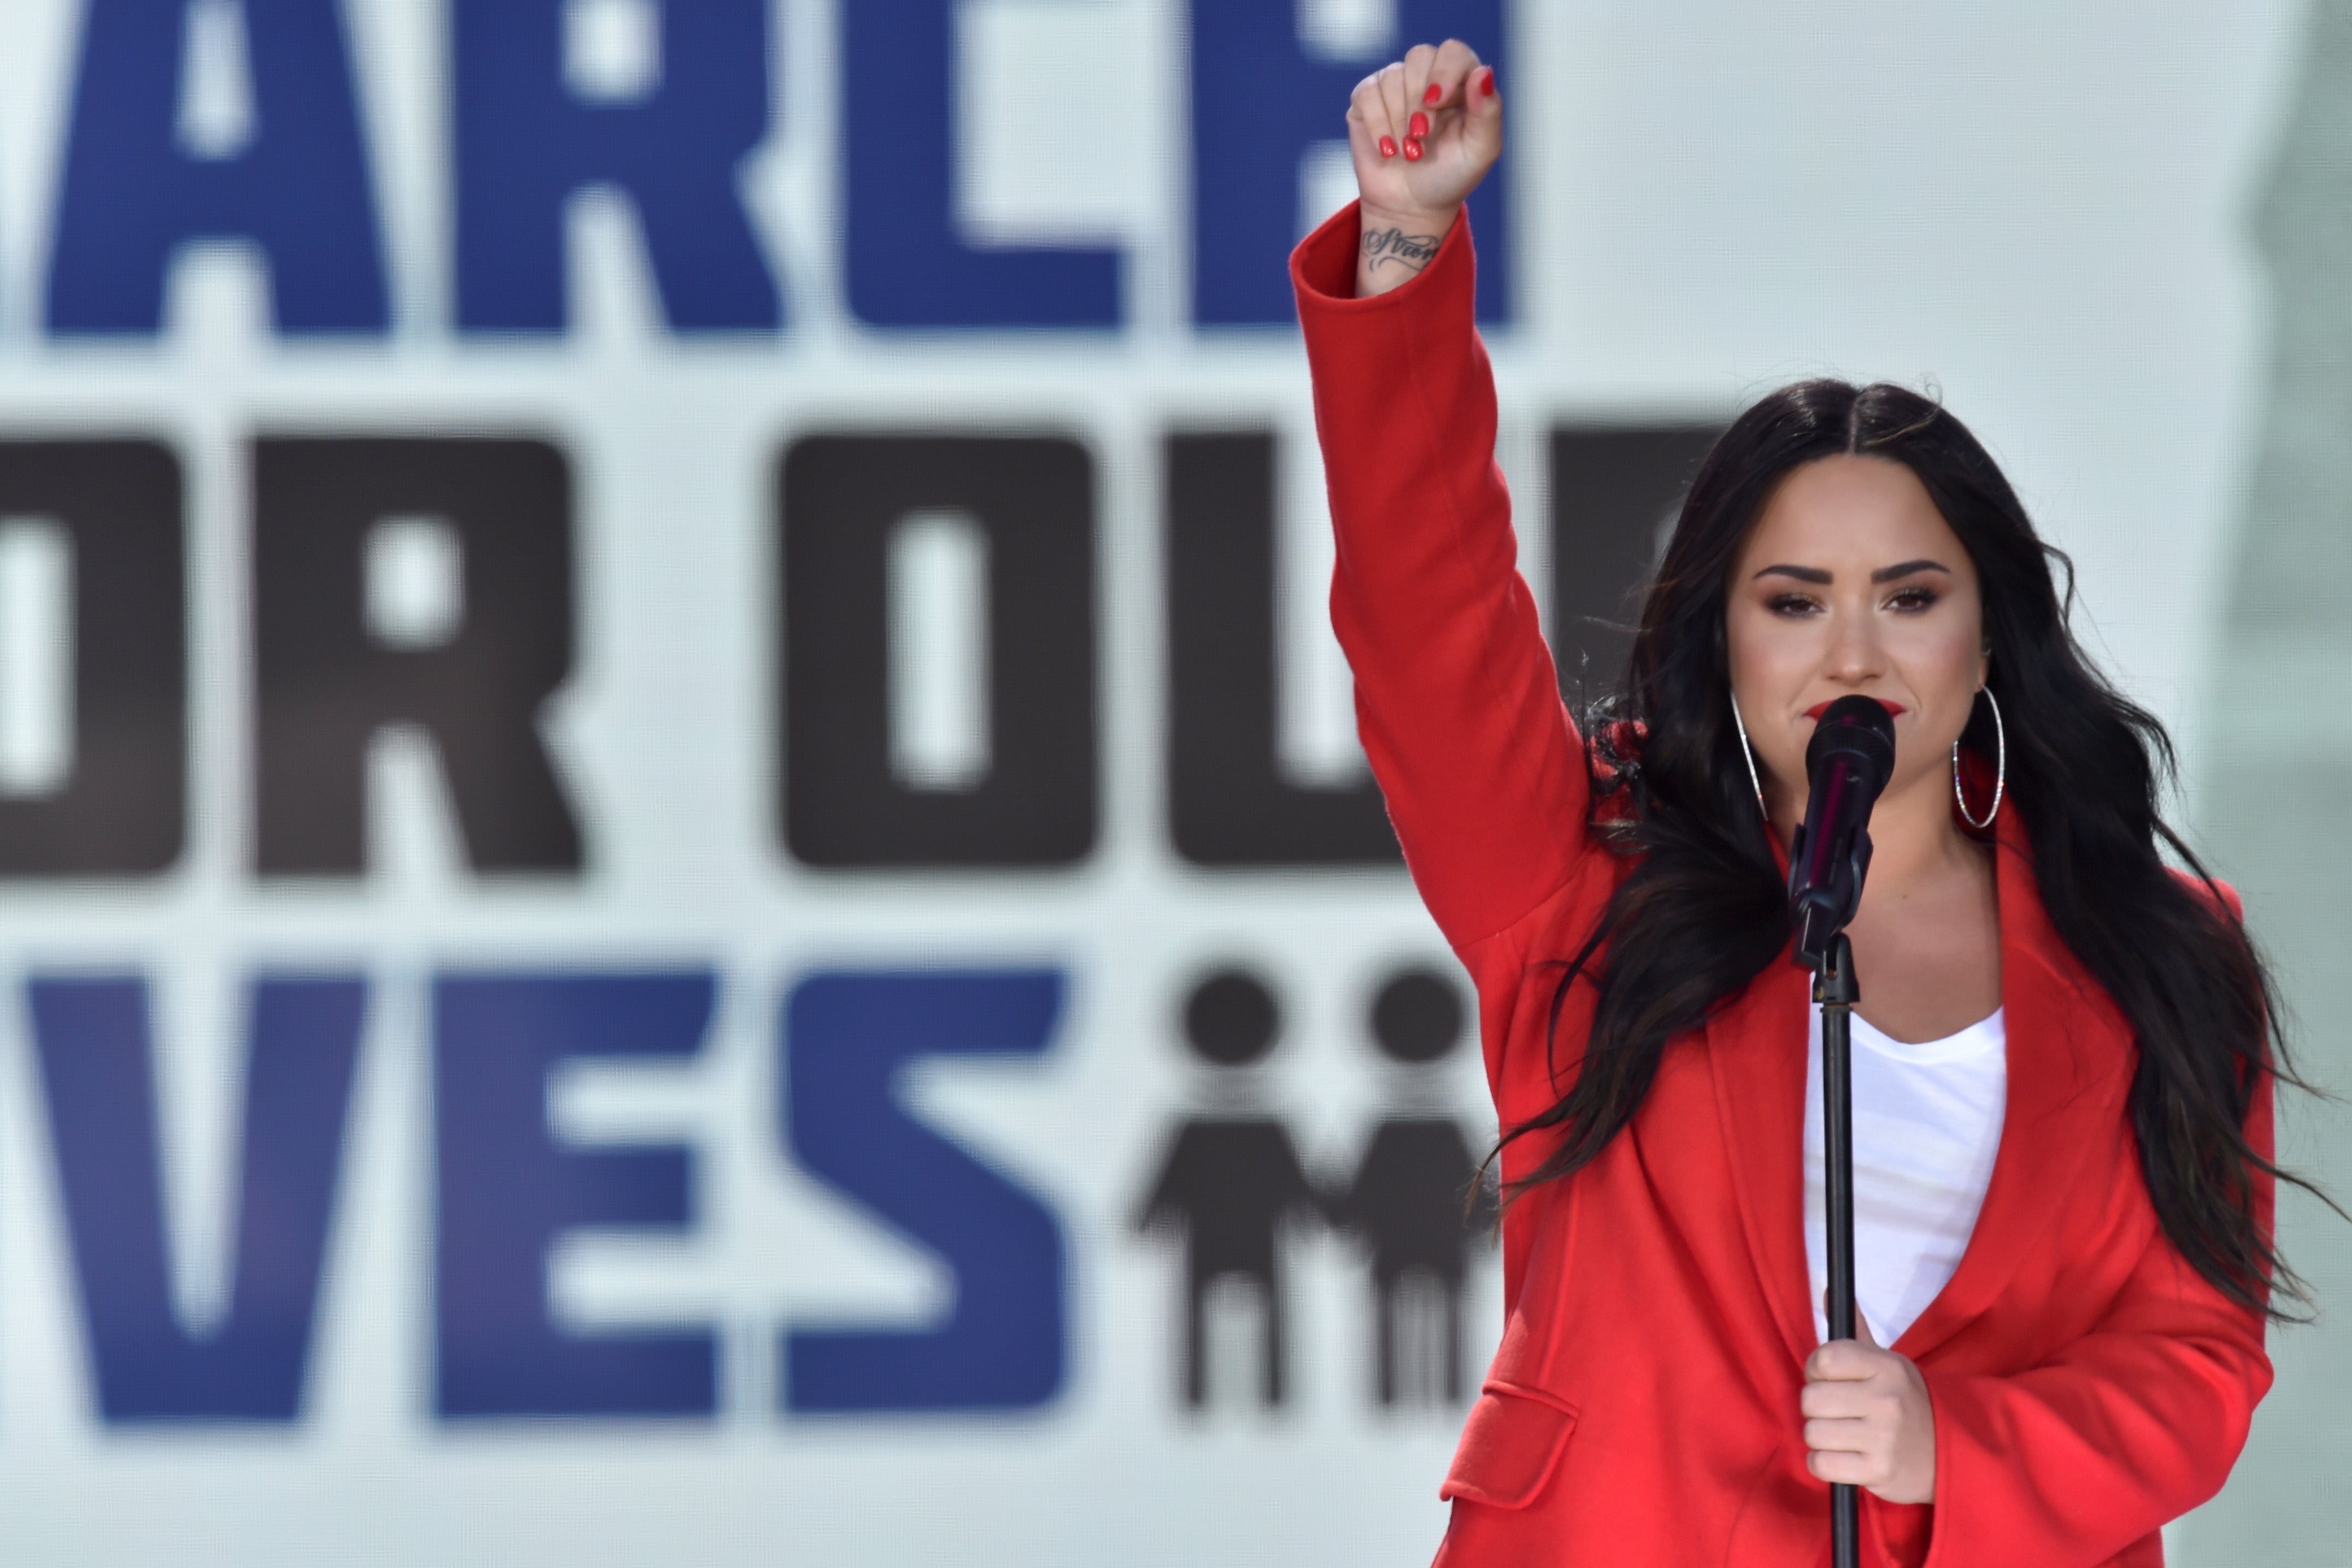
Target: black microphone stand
point(1835, 991)
point(1847, 763)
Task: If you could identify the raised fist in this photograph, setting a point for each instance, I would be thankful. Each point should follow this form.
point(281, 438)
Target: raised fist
point(1423, 132)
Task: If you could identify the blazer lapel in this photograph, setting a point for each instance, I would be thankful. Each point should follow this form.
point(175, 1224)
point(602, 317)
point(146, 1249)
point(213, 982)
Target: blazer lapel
point(2052, 1010)
point(1757, 1056)
point(1755, 1053)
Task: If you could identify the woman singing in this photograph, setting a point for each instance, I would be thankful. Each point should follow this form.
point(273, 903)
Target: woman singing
point(2061, 1068)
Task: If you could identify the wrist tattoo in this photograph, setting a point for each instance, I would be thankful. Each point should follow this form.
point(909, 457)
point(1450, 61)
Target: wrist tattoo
point(1412, 251)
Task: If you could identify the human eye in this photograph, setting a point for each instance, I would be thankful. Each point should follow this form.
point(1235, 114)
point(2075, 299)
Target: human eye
point(1792, 604)
point(1914, 599)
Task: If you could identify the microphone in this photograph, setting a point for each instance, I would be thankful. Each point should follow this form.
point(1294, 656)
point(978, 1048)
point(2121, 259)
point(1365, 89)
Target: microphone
point(1847, 765)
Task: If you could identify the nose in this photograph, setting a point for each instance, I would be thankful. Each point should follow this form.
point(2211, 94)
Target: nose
point(1855, 655)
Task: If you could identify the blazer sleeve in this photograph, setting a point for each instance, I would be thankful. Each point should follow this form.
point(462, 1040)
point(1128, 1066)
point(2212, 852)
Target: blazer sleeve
point(2130, 1426)
point(1456, 703)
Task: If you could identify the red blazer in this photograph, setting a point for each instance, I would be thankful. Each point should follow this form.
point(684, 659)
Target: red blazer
point(2089, 1386)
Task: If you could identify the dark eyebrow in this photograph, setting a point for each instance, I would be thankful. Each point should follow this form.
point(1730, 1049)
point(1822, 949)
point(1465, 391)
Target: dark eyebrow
point(1889, 573)
point(1884, 574)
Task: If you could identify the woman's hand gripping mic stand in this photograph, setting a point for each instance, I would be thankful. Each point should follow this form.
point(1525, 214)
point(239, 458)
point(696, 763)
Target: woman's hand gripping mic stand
point(1847, 765)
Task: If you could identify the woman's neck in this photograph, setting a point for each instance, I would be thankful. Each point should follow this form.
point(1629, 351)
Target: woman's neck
point(1913, 835)
point(1927, 940)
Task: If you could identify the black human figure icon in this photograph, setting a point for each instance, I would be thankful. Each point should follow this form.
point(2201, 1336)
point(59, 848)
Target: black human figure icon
point(1409, 1205)
point(1232, 1183)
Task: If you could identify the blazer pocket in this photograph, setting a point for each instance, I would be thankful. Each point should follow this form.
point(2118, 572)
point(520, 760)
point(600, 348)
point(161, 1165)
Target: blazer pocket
point(1510, 1446)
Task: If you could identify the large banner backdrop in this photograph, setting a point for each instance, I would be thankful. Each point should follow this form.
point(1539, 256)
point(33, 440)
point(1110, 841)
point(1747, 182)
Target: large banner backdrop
point(683, 870)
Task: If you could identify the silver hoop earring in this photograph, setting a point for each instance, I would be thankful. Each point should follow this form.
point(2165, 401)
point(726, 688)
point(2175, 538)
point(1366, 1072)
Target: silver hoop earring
point(1748, 753)
point(2000, 769)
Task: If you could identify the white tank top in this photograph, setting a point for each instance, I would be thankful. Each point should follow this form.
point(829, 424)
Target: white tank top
point(1926, 1125)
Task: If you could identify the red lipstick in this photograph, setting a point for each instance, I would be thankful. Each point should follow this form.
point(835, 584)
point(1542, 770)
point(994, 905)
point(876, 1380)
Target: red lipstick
point(1894, 709)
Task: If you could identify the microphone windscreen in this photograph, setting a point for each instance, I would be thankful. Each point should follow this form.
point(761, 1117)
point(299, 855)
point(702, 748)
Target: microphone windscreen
point(1861, 730)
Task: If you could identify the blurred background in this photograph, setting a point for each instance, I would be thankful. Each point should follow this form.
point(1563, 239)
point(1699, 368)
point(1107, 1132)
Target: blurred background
point(686, 871)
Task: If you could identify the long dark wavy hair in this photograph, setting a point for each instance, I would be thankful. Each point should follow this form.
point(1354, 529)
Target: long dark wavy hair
point(1704, 910)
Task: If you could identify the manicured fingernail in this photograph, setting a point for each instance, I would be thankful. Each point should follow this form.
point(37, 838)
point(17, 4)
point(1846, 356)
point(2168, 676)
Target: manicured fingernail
point(1412, 150)
point(1418, 125)
point(1434, 94)
point(1487, 87)
point(1388, 146)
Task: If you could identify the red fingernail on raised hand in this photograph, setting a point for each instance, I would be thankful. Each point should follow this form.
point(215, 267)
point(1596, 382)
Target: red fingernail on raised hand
point(1412, 150)
point(1388, 146)
point(1434, 94)
point(1486, 86)
point(1418, 125)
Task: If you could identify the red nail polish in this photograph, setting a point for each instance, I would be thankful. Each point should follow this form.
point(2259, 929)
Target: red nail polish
point(1487, 87)
point(1412, 150)
point(1434, 94)
point(1419, 126)
point(1388, 146)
